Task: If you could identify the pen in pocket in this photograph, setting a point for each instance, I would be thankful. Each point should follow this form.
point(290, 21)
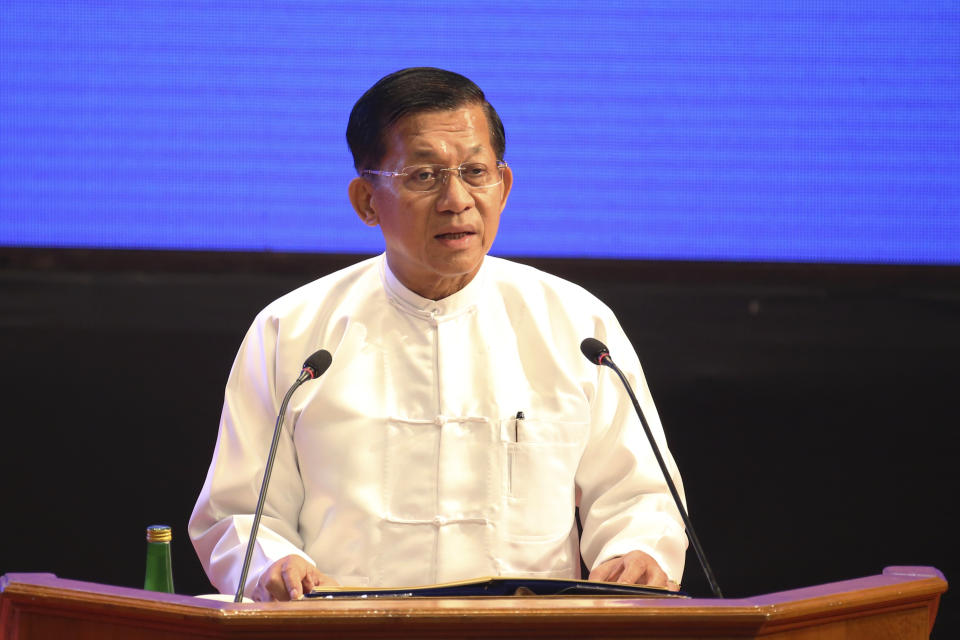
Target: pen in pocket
point(517, 421)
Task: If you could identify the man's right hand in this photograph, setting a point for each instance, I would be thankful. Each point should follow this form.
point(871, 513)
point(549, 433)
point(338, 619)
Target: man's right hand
point(288, 579)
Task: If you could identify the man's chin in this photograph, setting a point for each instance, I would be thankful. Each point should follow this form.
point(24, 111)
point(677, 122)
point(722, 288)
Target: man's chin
point(461, 264)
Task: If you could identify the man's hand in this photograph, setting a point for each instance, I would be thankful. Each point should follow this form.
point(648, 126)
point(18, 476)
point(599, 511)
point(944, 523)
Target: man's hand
point(288, 579)
point(634, 568)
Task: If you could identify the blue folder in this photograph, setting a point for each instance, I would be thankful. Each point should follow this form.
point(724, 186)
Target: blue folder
point(500, 587)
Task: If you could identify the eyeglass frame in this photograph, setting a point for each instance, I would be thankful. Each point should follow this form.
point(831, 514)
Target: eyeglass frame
point(501, 165)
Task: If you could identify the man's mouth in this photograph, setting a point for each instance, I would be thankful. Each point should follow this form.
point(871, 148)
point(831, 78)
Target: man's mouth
point(454, 236)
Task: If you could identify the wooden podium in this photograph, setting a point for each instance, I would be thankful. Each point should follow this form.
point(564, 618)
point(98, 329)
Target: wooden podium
point(900, 603)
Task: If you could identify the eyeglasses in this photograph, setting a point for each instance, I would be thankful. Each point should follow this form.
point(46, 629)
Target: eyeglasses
point(428, 177)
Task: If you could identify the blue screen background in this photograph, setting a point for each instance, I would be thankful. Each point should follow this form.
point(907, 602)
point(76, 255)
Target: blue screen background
point(797, 131)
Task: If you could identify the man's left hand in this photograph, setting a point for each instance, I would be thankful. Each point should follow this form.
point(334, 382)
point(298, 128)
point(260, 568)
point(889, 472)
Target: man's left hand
point(635, 567)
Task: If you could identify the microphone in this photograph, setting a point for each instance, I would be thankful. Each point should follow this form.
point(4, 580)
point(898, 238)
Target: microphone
point(314, 367)
point(594, 350)
point(597, 353)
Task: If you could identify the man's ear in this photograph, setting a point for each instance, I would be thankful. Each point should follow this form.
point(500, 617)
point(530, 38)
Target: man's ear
point(361, 197)
point(507, 185)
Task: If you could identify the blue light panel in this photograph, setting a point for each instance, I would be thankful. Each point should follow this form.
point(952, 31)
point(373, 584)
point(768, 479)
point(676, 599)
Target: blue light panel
point(788, 131)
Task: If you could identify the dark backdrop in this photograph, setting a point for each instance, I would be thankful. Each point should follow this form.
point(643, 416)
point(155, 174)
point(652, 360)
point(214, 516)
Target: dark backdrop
point(810, 408)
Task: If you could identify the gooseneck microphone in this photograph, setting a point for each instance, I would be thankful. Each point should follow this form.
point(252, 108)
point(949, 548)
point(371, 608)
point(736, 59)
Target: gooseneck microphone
point(597, 353)
point(314, 367)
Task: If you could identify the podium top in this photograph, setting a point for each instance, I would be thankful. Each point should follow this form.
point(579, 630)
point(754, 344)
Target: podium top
point(901, 602)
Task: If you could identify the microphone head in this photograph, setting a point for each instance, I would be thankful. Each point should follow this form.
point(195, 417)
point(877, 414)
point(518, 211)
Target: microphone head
point(319, 362)
point(594, 350)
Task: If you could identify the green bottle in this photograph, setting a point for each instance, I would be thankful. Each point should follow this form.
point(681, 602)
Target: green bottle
point(159, 575)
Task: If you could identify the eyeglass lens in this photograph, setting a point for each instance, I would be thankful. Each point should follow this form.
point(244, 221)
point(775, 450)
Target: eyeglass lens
point(429, 176)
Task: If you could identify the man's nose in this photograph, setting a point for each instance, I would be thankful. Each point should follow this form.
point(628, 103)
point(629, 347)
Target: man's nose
point(454, 195)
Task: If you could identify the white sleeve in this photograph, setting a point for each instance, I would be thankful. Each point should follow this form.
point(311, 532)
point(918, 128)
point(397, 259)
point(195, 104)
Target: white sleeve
point(625, 502)
point(223, 516)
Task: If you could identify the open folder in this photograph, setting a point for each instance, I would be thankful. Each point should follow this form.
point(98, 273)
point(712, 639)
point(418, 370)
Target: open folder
point(500, 587)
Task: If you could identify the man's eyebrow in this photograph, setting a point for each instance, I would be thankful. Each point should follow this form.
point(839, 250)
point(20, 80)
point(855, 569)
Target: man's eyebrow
point(432, 154)
point(423, 154)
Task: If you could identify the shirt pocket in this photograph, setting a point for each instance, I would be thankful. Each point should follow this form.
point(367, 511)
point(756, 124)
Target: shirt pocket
point(540, 459)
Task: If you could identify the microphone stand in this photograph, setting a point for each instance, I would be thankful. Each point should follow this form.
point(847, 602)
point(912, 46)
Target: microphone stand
point(603, 357)
point(313, 367)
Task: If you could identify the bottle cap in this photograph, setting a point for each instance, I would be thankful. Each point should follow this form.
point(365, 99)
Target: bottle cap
point(159, 533)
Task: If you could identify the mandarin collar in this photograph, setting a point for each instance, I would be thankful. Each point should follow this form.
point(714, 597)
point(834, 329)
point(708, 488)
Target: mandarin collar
point(454, 304)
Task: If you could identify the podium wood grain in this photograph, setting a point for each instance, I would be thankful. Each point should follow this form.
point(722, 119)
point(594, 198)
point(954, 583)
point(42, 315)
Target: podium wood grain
point(900, 603)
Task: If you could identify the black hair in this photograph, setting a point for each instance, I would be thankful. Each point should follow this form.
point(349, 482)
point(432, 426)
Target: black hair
point(407, 92)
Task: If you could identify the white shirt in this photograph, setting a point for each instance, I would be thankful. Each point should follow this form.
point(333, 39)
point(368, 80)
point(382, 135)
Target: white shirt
point(404, 465)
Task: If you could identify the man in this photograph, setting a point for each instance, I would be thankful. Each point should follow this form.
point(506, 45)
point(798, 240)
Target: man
point(458, 423)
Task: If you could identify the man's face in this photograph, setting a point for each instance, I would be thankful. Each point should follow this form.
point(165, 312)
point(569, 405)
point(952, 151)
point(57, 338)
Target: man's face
point(436, 240)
